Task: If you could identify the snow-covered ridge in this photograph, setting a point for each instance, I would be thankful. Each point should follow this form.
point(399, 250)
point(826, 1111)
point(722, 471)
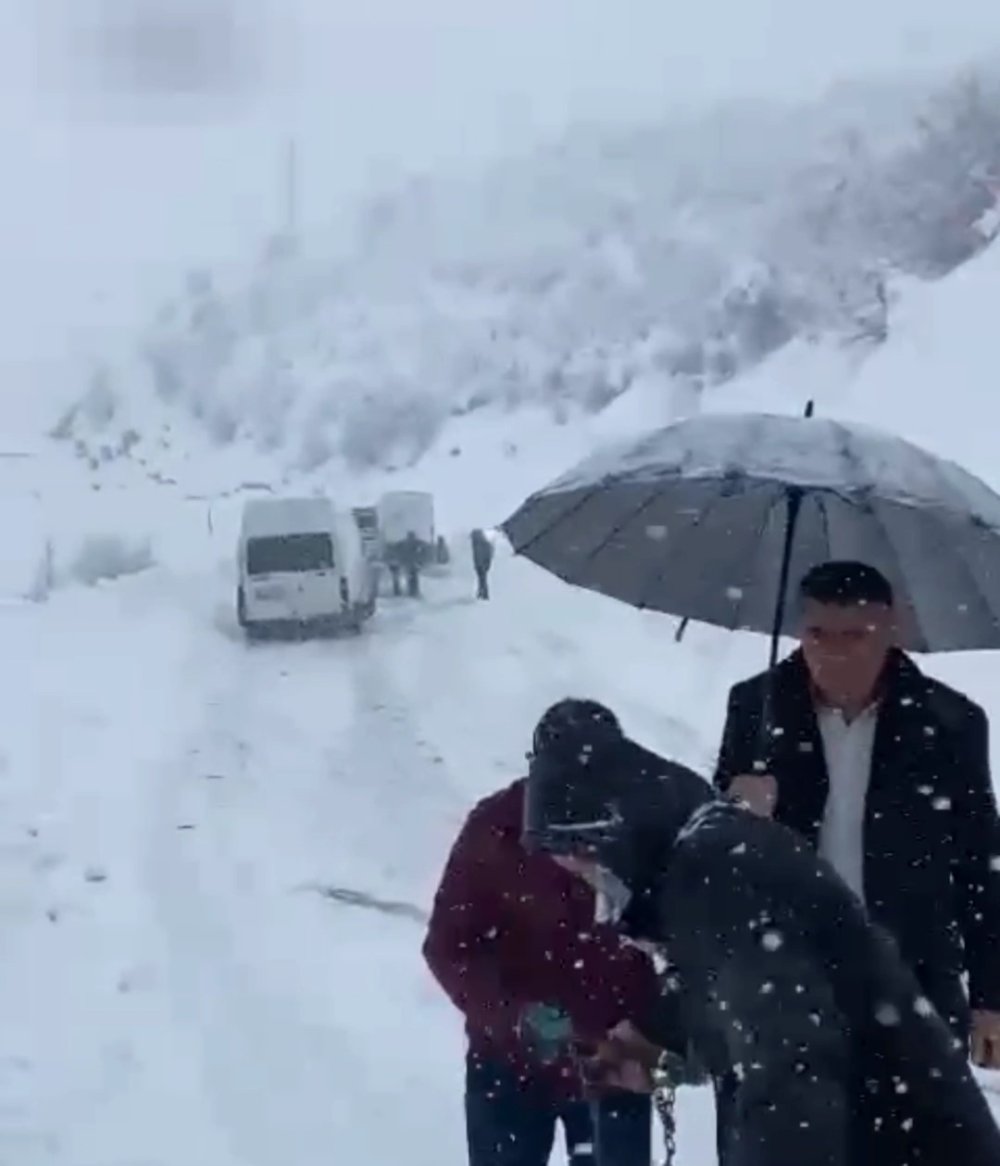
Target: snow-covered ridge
point(648, 264)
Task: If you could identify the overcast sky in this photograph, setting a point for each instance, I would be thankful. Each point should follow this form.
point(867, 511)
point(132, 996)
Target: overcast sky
point(103, 197)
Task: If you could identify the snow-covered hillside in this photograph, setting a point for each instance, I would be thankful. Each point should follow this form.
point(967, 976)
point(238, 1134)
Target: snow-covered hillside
point(655, 261)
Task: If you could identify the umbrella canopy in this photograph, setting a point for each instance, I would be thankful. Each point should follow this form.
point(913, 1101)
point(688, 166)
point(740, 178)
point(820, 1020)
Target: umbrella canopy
point(694, 520)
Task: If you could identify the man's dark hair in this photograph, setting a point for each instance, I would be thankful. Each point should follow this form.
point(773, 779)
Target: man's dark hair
point(845, 583)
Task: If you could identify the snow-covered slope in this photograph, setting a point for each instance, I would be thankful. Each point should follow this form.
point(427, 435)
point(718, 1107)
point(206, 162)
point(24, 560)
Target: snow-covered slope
point(667, 257)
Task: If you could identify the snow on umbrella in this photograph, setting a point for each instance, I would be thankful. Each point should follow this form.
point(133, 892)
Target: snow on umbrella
point(709, 519)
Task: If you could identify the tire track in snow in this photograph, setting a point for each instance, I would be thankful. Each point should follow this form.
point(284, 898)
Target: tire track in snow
point(264, 1068)
point(277, 1070)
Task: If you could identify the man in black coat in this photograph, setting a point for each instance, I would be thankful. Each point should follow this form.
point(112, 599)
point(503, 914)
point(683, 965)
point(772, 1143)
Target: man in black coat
point(789, 995)
point(886, 773)
point(482, 559)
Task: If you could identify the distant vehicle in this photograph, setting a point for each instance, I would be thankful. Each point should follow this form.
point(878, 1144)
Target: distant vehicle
point(302, 568)
point(403, 511)
point(366, 519)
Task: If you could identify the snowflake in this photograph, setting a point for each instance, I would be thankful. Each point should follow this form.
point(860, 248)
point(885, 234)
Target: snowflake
point(887, 1014)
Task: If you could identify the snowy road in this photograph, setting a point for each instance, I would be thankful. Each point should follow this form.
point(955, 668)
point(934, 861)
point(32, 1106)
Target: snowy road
point(177, 987)
point(303, 774)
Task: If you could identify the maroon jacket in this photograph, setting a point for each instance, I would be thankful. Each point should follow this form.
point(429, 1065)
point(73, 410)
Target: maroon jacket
point(511, 928)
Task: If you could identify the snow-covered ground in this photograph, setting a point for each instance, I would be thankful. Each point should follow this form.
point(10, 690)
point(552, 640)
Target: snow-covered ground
point(215, 860)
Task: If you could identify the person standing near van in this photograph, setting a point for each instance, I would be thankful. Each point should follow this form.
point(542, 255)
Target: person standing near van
point(411, 555)
point(482, 560)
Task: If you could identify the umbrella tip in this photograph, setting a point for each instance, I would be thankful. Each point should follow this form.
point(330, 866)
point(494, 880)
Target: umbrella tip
point(810, 407)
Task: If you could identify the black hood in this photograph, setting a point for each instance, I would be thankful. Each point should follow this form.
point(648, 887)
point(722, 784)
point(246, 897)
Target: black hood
point(601, 796)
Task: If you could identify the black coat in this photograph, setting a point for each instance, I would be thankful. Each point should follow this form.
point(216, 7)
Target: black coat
point(482, 552)
point(822, 1046)
point(931, 832)
point(819, 1038)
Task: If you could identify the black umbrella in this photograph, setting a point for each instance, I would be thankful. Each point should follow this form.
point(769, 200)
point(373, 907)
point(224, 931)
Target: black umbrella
point(709, 518)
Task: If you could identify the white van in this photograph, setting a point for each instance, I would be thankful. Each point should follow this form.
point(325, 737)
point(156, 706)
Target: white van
point(301, 567)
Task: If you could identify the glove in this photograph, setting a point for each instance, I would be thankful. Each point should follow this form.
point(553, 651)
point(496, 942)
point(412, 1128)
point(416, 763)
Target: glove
point(546, 1030)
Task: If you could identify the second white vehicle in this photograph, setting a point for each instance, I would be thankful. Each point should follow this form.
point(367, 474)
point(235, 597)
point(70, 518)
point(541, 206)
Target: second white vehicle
point(302, 568)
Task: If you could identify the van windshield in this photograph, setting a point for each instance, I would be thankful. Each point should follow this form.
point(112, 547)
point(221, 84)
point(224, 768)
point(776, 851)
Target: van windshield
point(289, 552)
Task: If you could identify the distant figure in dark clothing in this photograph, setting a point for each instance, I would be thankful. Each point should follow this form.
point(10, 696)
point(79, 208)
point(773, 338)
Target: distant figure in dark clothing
point(406, 557)
point(412, 556)
point(482, 560)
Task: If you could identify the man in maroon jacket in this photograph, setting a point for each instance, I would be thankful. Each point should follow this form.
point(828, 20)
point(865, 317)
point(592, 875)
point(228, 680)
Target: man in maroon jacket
point(513, 942)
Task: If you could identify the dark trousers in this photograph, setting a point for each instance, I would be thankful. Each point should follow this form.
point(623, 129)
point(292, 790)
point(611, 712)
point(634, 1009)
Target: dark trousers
point(482, 585)
point(512, 1122)
point(883, 1129)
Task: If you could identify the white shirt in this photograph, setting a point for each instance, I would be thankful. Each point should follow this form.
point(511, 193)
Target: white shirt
point(847, 746)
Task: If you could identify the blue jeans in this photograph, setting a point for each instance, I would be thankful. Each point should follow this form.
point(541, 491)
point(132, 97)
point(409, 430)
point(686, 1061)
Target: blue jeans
point(511, 1122)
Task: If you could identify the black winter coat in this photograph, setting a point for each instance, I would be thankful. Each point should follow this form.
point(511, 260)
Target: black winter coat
point(818, 1036)
point(931, 831)
point(482, 552)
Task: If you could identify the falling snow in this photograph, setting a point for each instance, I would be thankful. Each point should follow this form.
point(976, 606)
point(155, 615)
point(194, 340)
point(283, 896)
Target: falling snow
point(888, 1015)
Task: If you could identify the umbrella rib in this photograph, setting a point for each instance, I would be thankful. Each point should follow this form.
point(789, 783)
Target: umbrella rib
point(977, 586)
point(660, 569)
point(821, 499)
point(560, 518)
point(619, 527)
point(900, 571)
point(980, 589)
point(780, 496)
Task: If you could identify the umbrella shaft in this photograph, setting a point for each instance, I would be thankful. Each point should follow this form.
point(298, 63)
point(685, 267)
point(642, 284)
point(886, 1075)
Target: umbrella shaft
point(791, 521)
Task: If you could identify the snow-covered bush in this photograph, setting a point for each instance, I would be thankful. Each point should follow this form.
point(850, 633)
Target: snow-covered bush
point(684, 250)
point(43, 579)
point(109, 556)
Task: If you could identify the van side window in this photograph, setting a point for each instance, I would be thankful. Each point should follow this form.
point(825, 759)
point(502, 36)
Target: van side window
point(289, 552)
